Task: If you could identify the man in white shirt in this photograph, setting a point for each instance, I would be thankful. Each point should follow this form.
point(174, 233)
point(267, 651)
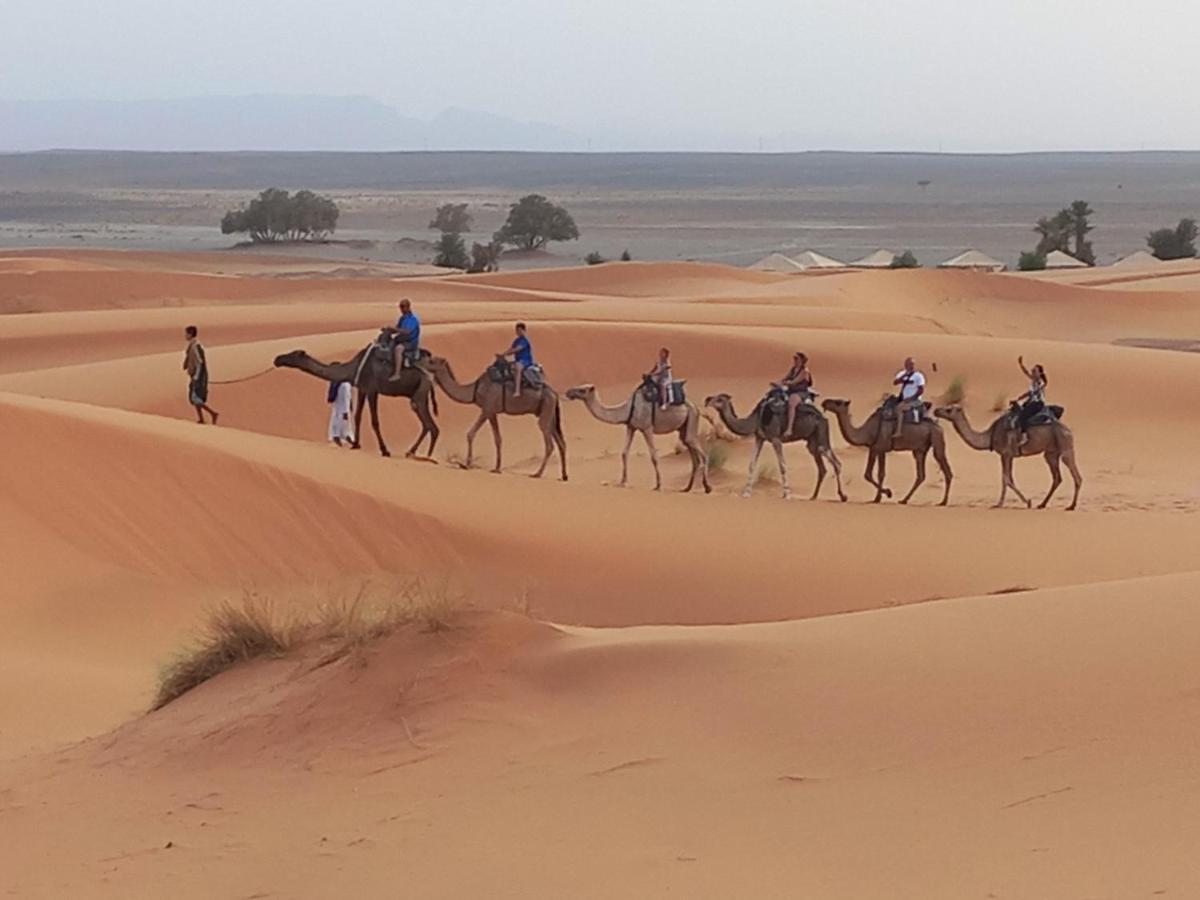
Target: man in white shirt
point(340, 426)
point(912, 387)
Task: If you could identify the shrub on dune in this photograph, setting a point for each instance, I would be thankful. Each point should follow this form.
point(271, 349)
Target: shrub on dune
point(232, 635)
point(235, 634)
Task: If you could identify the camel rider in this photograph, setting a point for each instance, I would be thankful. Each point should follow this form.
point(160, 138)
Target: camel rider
point(912, 387)
point(798, 384)
point(408, 336)
point(521, 353)
point(1033, 401)
point(661, 376)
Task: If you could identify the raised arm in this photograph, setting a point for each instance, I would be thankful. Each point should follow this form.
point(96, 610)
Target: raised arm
point(1021, 363)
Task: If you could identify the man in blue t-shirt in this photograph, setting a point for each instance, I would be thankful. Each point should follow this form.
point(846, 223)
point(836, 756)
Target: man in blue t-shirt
point(408, 337)
point(521, 352)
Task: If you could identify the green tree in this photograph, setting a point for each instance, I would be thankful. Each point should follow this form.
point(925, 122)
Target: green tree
point(485, 257)
point(626, 256)
point(1174, 243)
point(451, 218)
point(906, 260)
point(1031, 261)
point(451, 252)
point(533, 221)
point(1079, 213)
point(1054, 232)
point(594, 258)
point(275, 215)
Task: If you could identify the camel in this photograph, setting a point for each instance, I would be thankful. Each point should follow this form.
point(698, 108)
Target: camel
point(372, 377)
point(1054, 441)
point(810, 426)
point(643, 414)
point(876, 436)
point(495, 399)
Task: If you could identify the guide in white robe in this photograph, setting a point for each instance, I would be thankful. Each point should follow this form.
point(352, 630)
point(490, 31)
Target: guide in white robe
point(340, 408)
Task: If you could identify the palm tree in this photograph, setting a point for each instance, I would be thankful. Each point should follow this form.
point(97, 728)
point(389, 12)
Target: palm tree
point(1077, 215)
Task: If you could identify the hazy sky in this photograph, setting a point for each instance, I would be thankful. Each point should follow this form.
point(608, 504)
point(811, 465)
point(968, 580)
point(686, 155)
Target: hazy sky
point(960, 74)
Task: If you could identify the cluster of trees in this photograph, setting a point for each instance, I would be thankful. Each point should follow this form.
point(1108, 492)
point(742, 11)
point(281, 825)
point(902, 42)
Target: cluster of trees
point(533, 221)
point(1174, 243)
point(905, 260)
point(276, 215)
point(1069, 226)
point(1067, 231)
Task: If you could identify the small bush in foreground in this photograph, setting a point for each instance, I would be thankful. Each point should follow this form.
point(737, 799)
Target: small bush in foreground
point(233, 634)
point(1000, 404)
point(594, 258)
point(237, 634)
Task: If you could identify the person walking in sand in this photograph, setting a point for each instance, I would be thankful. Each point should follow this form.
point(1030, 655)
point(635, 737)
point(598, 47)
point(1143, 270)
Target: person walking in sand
point(196, 365)
point(341, 429)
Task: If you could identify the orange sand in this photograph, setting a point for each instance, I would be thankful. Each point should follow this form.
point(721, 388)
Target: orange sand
point(794, 704)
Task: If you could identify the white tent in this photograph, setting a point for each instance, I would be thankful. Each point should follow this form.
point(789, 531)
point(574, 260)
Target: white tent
point(880, 259)
point(777, 262)
point(1139, 259)
point(1056, 259)
point(810, 259)
point(973, 259)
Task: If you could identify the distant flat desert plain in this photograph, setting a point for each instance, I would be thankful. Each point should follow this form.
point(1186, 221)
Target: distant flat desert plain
point(612, 691)
point(721, 207)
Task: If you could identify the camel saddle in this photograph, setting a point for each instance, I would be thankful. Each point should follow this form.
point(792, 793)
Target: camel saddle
point(383, 348)
point(675, 392)
point(917, 414)
point(1047, 415)
point(775, 403)
point(501, 372)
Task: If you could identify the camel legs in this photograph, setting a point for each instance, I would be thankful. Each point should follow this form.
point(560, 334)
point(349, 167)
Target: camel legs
point(1052, 460)
point(548, 443)
point(1007, 481)
point(836, 465)
point(358, 411)
point(919, 459)
point(943, 461)
point(816, 455)
point(758, 445)
point(625, 455)
point(648, 437)
point(699, 463)
point(877, 464)
point(492, 420)
point(471, 432)
point(373, 401)
point(1069, 458)
point(420, 406)
point(783, 473)
point(561, 443)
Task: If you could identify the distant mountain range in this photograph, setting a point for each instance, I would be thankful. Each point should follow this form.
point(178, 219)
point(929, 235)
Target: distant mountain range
point(263, 122)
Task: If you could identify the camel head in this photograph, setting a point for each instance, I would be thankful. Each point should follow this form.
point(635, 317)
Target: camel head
point(291, 360)
point(951, 411)
point(833, 405)
point(719, 401)
point(581, 392)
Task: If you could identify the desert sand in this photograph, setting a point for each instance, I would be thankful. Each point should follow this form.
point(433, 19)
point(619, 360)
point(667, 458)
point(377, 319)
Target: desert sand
point(644, 694)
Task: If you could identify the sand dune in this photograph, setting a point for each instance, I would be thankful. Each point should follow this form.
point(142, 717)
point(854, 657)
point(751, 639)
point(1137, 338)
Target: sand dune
point(699, 695)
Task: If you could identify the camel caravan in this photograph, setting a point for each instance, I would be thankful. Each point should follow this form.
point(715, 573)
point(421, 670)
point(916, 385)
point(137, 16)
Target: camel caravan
point(395, 365)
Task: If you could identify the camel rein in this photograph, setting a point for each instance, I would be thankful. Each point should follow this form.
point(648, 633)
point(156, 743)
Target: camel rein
point(247, 378)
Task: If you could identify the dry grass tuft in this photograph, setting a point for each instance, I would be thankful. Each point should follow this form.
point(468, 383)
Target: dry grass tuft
point(767, 473)
point(232, 635)
point(237, 634)
point(718, 454)
point(956, 391)
point(1000, 404)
